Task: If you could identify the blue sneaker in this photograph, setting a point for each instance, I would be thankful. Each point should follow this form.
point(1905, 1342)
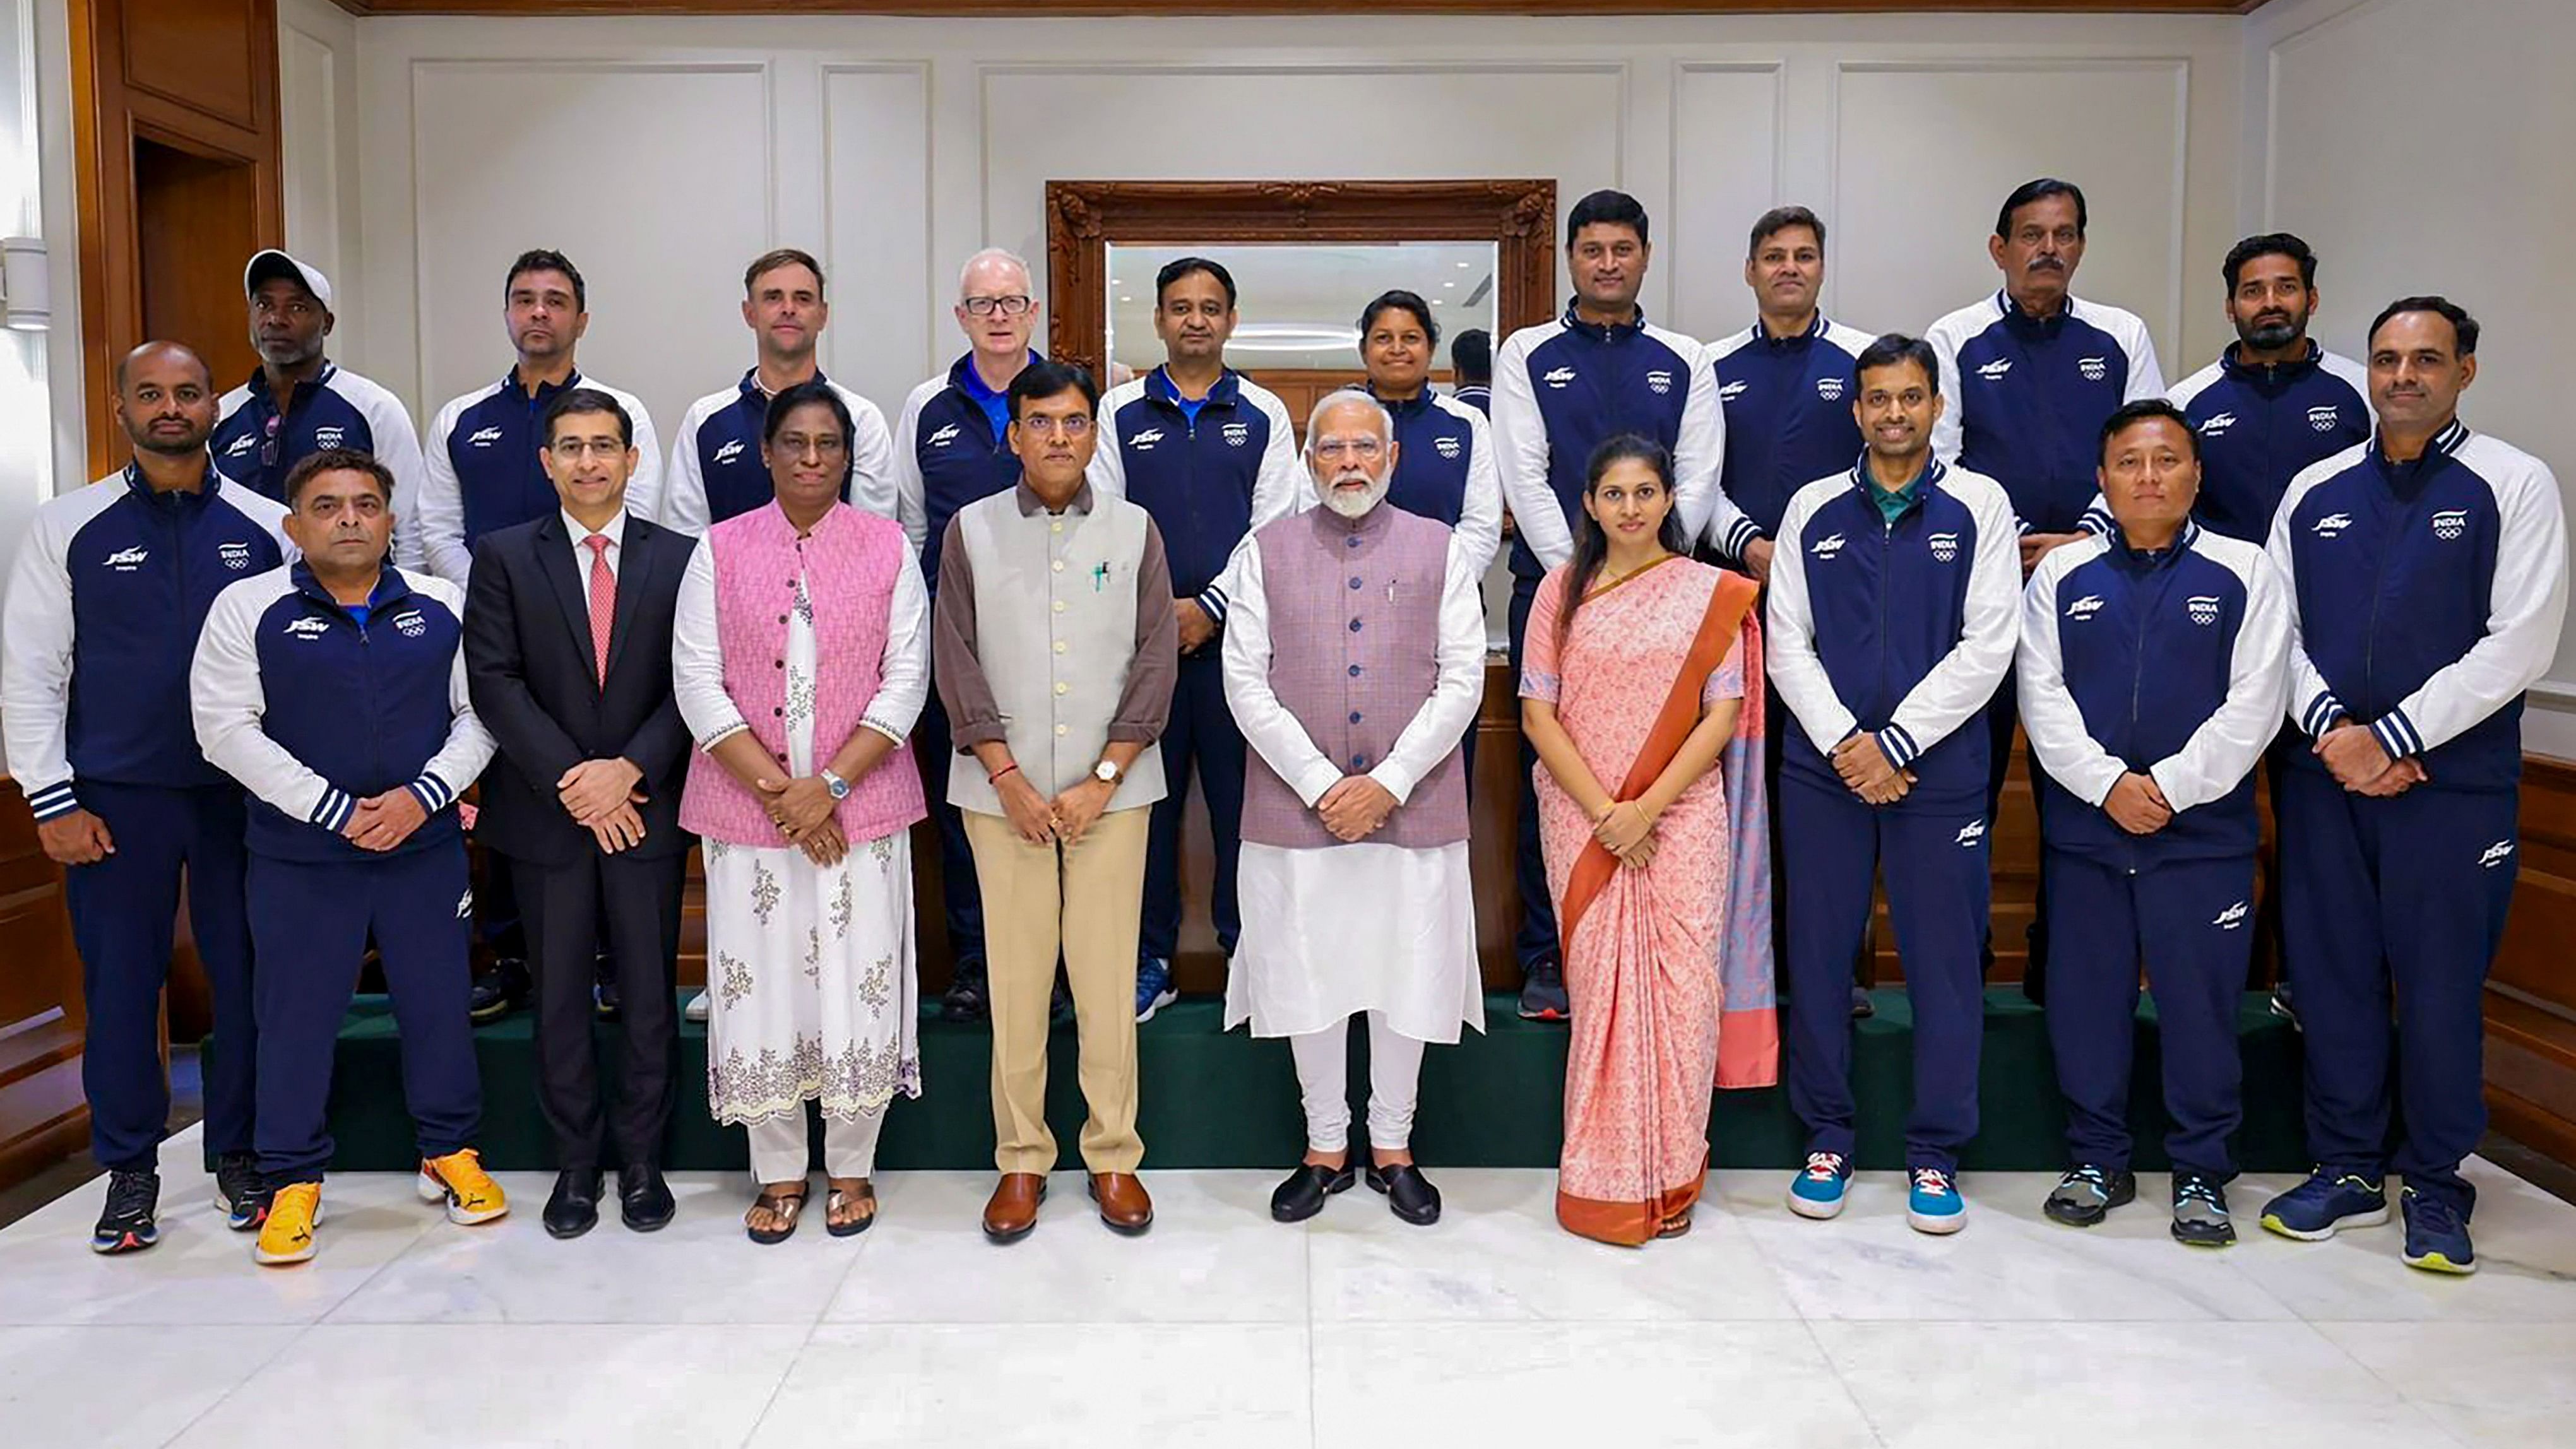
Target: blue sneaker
point(2329, 1200)
point(2437, 1241)
point(1819, 1190)
point(1932, 1203)
point(1154, 989)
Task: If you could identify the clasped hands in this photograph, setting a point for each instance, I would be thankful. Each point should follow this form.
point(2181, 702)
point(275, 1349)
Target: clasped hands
point(1066, 818)
point(1626, 829)
point(601, 796)
point(2362, 766)
point(1867, 772)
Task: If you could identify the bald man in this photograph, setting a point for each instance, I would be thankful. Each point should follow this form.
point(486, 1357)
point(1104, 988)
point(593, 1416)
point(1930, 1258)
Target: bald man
point(104, 603)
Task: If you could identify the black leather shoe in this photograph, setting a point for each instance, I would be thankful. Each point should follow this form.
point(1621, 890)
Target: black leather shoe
point(1302, 1195)
point(643, 1198)
point(1408, 1192)
point(966, 996)
point(573, 1208)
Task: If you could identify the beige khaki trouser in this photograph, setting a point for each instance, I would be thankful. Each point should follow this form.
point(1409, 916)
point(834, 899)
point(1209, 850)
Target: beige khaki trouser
point(1085, 901)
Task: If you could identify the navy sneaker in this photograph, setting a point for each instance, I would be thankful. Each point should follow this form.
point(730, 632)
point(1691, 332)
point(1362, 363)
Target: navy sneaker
point(1932, 1202)
point(2437, 1238)
point(1543, 995)
point(129, 1221)
point(2085, 1195)
point(240, 1192)
point(2328, 1201)
point(1819, 1190)
point(1154, 989)
point(2200, 1212)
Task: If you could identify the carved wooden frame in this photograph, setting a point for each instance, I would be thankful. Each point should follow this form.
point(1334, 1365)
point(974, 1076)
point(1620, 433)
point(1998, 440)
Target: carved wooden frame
point(1084, 217)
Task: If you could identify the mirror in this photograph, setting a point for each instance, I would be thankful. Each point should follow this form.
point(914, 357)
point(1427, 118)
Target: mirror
point(1300, 303)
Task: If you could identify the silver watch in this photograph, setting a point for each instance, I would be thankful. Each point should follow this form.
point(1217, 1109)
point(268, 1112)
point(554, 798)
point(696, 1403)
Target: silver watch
point(1105, 772)
point(839, 787)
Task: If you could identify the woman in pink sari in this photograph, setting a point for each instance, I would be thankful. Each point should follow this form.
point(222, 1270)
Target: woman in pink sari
point(1642, 693)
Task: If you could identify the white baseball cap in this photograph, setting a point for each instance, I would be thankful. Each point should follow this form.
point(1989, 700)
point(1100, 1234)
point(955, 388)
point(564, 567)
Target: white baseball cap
point(275, 263)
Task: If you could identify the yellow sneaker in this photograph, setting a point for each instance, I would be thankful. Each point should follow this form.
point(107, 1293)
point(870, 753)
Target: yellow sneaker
point(287, 1236)
point(458, 1179)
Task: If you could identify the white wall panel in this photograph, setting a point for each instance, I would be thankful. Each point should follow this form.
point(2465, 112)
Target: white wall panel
point(1728, 135)
point(889, 302)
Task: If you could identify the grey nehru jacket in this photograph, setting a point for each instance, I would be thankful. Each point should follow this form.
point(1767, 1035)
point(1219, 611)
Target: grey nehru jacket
point(1054, 634)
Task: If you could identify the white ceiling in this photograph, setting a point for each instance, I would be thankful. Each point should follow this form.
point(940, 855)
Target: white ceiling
point(1299, 306)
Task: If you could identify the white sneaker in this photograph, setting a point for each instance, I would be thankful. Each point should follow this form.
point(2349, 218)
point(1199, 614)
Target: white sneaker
point(699, 1008)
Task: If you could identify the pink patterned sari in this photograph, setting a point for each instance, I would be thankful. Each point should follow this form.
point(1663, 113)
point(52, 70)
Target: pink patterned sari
point(1668, 966)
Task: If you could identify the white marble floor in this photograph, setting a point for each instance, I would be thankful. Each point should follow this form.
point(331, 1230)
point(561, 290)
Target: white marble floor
point(1222, 1328)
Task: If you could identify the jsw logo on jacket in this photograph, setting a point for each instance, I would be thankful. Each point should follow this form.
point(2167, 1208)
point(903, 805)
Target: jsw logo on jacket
point(313, 711)
point(2429, 597)
point(105, 599)
point(1788, 416)
point(2259, 426)
point(259, 440)
point(484, 472)
point(950, 449)
point(2027, 397)
point(1207, 475)
point(1898, 627)
point(716, 472)
point(2174, 672)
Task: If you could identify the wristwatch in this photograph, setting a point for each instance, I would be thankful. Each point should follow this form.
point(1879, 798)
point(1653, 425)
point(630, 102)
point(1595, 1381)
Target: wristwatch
point(839, 787)
point(1106, 773)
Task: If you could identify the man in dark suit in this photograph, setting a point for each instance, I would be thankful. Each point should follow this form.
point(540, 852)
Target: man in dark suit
point(568, 656)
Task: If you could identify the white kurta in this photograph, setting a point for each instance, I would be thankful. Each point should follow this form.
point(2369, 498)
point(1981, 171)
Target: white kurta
point(1335, 930)
point(809, 970)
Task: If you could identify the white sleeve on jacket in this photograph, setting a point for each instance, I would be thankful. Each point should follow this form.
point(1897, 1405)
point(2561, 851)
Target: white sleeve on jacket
point(228, 702)
point(2059, 741)
point(2526, 605)
point(2146, 380)
point(1108, 471)
point(36, 668)
point(1967, 677)
point(911, 497)
point(1268, 727)
point(903, 667)
point(646, 481)
point(1479, 534)
point(1276, 490)
point(2097, 516)
point(872, 483)
point(397, 446)
point(1796, 670)
point(681, 503)
point(2228, 744)
point(460, 761)
point(1443, 720)
point(1699, 451)
point(1521, 455)
point(2311, 704)
point(1949, 433)
point(439, 521)
point(697, 658)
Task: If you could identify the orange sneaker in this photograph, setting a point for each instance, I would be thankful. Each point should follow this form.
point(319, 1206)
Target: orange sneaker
point(294, 1210)
point(458, 1179)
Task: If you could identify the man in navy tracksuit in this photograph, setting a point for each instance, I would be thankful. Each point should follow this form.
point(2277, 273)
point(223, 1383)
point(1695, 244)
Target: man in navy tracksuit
point(2430, 573)
point(301, 402)
point(104, 603)
point(1893, 602)
point(2151, 681)
point(334, 690)
point(1562, 389)
point(2029, 374)
point(949, 451)
point(1208, 453)
point(1471, 365)
point(1786, 384)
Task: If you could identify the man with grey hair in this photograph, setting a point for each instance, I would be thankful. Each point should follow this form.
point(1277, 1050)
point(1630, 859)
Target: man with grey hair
point(1354, 655)
point(949, 451)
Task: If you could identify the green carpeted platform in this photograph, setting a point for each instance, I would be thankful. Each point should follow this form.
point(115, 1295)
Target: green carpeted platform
point(1213, 1099)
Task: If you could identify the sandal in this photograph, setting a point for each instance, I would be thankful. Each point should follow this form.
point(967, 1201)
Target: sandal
point(838, 1200)
point(785, 1206)
point(1676, 1225)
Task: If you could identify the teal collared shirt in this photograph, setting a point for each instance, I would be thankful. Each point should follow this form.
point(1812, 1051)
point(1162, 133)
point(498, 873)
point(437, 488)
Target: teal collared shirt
point(1893, 503)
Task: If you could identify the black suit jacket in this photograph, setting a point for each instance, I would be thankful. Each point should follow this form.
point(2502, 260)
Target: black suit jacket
point(528, 664)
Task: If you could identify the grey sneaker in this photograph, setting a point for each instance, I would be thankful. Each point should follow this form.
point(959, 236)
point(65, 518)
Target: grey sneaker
point(2086, 1195)
point(2200, 1212)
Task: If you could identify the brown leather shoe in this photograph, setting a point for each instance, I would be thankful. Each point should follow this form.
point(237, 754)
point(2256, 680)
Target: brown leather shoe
point(1013, 1209)
point(1123, 1203)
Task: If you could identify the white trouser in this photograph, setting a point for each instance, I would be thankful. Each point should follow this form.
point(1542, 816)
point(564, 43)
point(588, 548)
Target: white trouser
point(778, 1146)
point(1323, 1078)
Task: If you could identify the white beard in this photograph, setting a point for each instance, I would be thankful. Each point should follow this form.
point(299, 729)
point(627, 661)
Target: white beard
point(1357, 505)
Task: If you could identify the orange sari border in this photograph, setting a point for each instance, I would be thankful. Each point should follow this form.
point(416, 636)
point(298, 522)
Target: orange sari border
point(1627, 1224)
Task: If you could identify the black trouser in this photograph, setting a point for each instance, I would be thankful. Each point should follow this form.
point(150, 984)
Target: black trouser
point(564, 907)
point(1537, 939)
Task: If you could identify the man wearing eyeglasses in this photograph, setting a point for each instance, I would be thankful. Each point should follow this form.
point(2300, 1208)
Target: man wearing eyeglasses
point(584, 795)
point(950, 449)
point(301, 402)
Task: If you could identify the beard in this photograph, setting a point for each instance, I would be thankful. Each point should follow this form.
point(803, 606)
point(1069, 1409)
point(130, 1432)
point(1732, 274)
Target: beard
point(1356, 505)
point(2272, 334)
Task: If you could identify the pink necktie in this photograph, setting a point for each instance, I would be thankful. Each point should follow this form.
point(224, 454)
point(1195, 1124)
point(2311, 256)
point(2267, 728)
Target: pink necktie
point(603, 600)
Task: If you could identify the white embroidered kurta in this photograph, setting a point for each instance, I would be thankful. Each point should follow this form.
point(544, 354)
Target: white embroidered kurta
point(1354, 927)
point(809, 970)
